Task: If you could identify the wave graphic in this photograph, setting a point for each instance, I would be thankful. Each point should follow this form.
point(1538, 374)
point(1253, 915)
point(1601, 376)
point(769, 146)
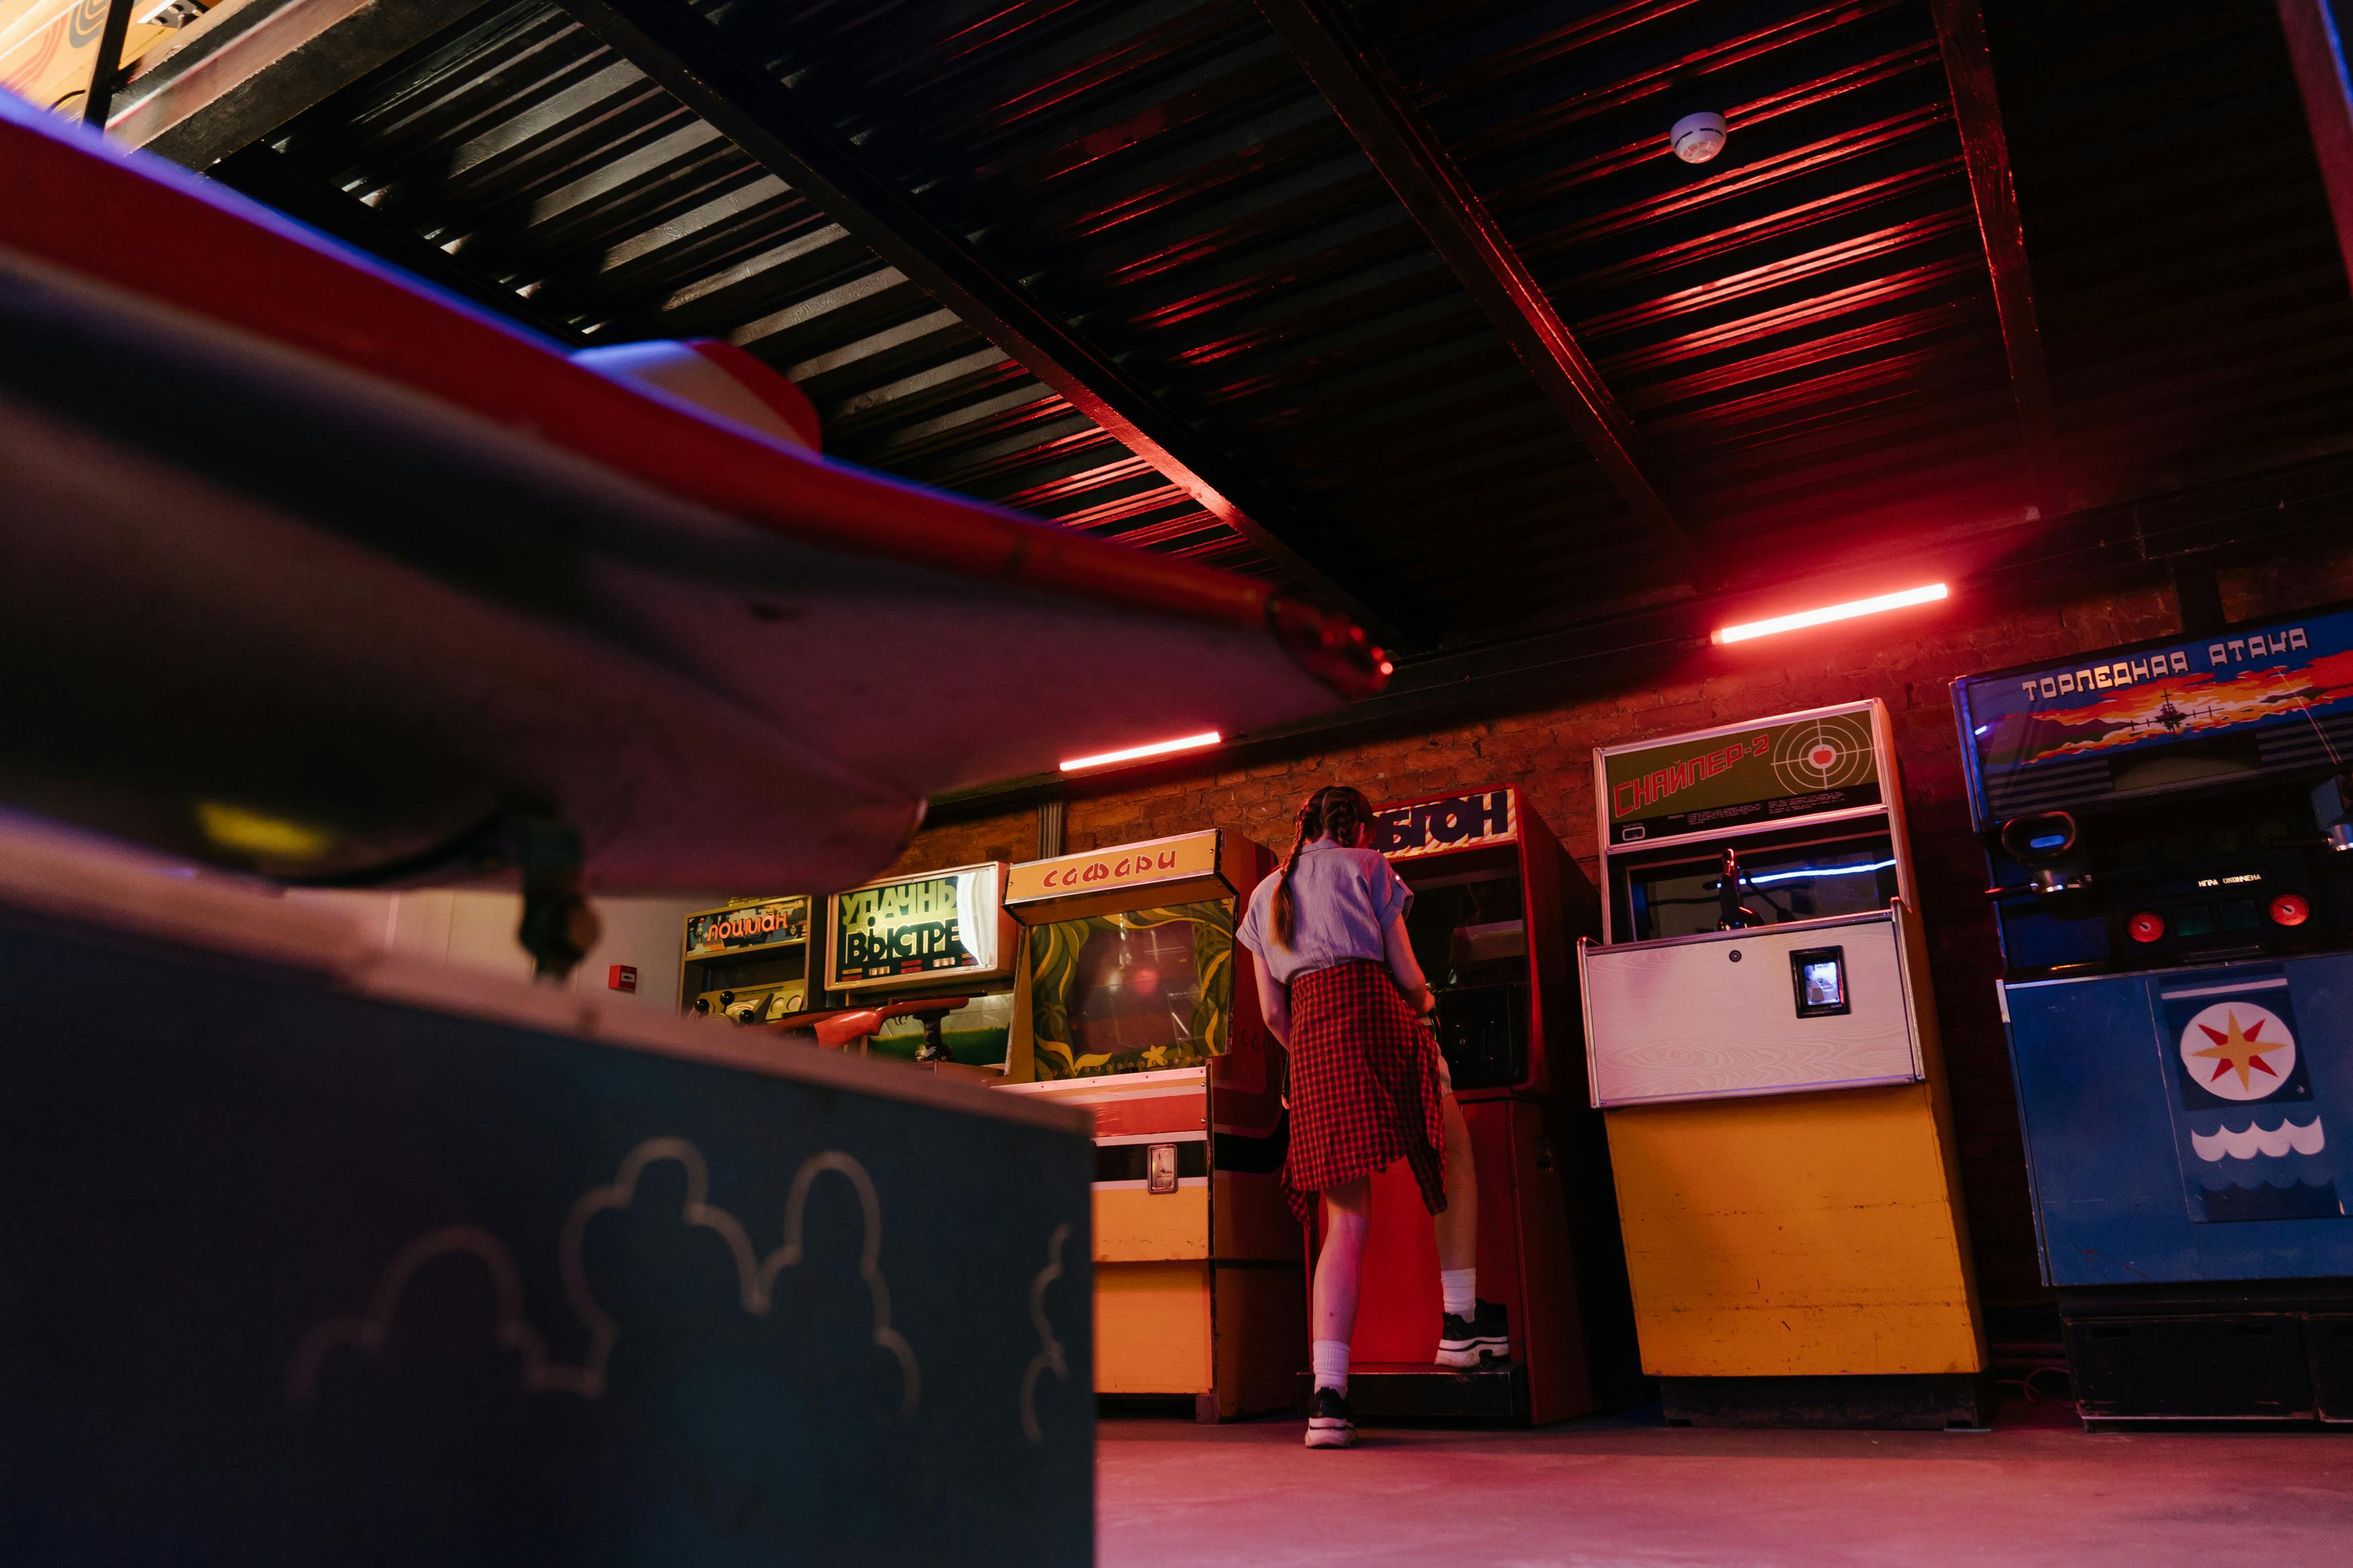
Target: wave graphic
point(2288, 1138)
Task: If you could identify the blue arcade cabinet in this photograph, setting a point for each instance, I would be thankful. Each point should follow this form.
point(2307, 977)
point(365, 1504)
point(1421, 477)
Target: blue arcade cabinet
point(2169, 832)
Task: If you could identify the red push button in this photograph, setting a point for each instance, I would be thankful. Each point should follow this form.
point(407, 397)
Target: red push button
point(2290, 909)
point(2145, 926)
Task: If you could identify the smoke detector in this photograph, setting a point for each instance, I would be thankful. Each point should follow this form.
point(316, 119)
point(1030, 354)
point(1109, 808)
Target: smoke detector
point(1696, 138)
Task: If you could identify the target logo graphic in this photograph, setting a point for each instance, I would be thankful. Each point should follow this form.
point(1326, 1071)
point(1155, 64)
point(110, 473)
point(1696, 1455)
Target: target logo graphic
point(1829, 753)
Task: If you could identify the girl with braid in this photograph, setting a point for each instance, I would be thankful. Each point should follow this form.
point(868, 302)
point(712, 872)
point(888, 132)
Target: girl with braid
point(1338, 984)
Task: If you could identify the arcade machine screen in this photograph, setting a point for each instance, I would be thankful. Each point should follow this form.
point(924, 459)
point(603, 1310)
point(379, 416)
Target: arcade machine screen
point(1812, 881)
point(1470, 933)
point(936, 936)
point(1135, 991)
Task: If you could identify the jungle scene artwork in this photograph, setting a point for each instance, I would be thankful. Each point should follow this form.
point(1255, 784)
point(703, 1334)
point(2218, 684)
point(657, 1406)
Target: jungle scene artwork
point(1133, 992)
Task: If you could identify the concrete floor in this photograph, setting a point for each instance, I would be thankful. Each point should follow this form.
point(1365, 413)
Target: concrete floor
point(1626, 1490)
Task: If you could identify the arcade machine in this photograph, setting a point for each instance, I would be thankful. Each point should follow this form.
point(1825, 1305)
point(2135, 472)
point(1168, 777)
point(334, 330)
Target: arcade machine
point(927, 960)
point(1139, 1004)
point(2169, 829)
point(1762, 1044)
point(747, 962)
point(1496, 902)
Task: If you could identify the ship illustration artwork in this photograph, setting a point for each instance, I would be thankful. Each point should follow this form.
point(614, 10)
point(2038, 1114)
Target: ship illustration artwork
point(2173, 719)
point(2134, 715)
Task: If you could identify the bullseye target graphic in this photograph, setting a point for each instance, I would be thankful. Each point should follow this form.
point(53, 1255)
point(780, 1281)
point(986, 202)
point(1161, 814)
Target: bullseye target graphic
point(1829, 752)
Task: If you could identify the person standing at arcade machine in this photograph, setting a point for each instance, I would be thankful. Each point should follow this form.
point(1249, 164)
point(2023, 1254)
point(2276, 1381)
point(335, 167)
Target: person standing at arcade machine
point(1339, 986)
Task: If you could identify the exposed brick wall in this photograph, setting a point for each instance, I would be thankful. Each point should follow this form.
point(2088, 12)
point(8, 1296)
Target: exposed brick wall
point(1547, 752)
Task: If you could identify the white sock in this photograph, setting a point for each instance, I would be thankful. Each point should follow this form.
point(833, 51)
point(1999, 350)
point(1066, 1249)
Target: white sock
point(1459, 1287)
point(1330, 1359)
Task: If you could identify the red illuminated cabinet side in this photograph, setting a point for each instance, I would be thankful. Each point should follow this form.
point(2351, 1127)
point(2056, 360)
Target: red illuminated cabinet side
point(1498, 906)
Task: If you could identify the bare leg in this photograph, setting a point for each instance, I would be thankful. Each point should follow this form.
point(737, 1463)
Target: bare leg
point(1458, 1227)
point(1346, 1216)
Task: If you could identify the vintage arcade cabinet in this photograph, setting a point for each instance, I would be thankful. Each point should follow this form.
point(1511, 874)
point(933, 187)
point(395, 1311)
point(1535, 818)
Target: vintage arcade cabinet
point(2168, 828)
point(747, 962)
point(1495, 904)
point(935, 937)
point(1138, 1004)
point(1763, 1043)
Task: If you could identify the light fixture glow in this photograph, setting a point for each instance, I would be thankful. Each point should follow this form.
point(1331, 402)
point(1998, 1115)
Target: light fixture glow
point(1828, 613)
point(1804, 871)
point(1156, 749)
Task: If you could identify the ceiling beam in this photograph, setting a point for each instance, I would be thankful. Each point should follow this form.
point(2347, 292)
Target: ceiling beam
point(1377, 110)
point(248, 67)
point(272, 178)
point(1985, 149)
point(695, 63)
point(2317, 50)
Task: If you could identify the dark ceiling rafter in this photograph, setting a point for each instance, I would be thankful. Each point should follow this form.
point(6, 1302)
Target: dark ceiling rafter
point(1375, 108)
point(691, 60)
point(1985, 149)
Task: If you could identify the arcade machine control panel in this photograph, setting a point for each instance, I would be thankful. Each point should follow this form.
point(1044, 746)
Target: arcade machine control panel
point(747, 962)
point(2168, 839)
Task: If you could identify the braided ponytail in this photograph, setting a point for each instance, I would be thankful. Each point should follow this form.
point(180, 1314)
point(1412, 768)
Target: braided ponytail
point(1336, 812)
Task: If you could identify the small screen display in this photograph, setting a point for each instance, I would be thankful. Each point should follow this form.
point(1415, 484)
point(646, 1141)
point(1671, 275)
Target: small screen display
point(1817, 975)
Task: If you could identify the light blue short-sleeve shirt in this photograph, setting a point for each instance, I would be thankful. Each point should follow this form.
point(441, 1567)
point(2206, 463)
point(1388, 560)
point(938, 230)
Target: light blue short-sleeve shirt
point(1345, 899)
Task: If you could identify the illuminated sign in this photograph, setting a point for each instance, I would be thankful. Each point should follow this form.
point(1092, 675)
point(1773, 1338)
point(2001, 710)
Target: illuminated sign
point(1121, 866)
point(2070, 732)
point(747, 926)
point(1452, 821)
point(1778, 771)
point(935, 926)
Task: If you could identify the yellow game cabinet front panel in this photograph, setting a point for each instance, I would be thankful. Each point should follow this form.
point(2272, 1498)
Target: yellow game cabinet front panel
point(1152, 1328)
point(1133, 1224)
point(1797, 1235)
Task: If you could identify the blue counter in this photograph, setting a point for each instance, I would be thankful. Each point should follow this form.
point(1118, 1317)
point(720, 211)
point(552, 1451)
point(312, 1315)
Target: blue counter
point(307, 1263)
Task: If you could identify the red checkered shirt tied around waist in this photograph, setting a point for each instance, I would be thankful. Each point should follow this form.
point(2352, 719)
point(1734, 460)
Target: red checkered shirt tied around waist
point(1364, 1086)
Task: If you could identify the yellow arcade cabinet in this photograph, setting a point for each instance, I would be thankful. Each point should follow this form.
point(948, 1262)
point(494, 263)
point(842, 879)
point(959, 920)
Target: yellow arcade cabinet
point(1762, 1045)
point(1138, 1004)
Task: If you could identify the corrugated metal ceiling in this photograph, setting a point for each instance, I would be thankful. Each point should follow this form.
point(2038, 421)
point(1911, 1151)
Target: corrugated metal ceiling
point(1803, 330)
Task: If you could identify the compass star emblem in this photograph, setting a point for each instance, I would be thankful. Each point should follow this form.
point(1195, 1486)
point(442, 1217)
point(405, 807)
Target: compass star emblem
point(2237, 1050)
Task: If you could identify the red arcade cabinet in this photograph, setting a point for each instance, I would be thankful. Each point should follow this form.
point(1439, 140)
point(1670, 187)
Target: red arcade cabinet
point(1497, 906)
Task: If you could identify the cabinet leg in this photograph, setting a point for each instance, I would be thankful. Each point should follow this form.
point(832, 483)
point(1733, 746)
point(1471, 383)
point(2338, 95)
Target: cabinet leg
point(1205, 1408)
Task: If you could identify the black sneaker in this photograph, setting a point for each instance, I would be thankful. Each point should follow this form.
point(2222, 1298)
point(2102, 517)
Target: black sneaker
point(1483, 1338)
point(1328, 1425)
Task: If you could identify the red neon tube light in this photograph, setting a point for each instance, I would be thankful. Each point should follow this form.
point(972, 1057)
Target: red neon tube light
point(1135, 754)
point(1828, 613)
